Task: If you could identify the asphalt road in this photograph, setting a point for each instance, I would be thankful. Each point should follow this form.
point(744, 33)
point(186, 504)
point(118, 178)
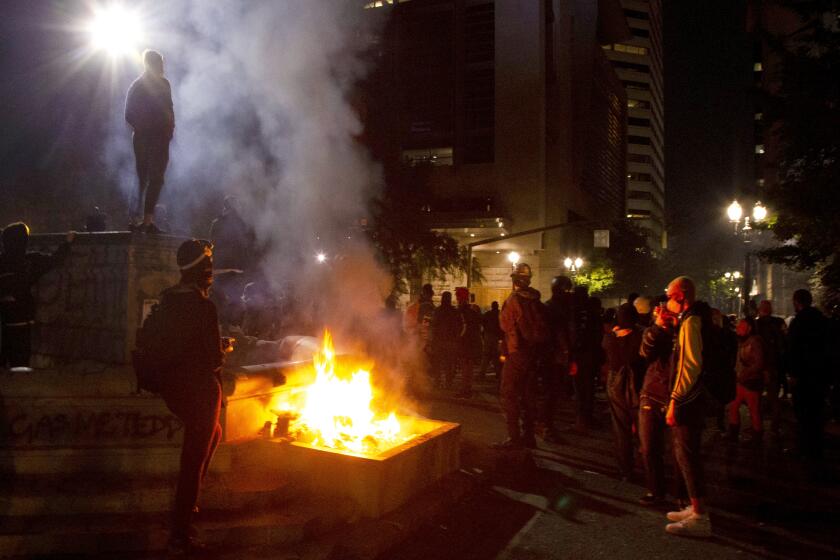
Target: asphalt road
point(565, 501)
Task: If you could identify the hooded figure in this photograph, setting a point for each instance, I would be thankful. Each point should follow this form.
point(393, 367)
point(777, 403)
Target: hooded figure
point(19, 272)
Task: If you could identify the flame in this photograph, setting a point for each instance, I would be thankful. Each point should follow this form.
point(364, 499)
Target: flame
point(337, 410)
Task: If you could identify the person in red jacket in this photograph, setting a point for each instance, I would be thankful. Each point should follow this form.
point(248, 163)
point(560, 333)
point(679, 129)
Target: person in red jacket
point(749, 370)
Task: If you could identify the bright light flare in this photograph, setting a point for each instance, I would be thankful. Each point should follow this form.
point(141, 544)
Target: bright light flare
point(513, 257)
point(735, 212)
point(321, 258)
point(759, 212)
point(115, 30)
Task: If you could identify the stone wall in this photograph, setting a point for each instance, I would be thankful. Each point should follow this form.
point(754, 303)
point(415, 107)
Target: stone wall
point(90, 308)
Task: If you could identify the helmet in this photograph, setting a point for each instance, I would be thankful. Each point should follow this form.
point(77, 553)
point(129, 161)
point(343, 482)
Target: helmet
point(522, 270)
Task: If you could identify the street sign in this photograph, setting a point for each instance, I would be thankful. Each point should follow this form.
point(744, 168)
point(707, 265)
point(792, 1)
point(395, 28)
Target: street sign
point(602, 239)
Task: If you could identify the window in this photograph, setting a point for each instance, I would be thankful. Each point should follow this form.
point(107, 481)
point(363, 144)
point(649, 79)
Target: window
point(636, 121)
point(639, 158)
point(635, 14)
point(638, 104)
point(636, 176)
point(759, 148)
point(430, 156)
point(644, 140)
point(640, 195)
point(633, 84)
point(759, 116)
point(643, 33)
point(760, 182)
point(637, 214)
point(758, 67)
point(629, 49)
point(644, 68)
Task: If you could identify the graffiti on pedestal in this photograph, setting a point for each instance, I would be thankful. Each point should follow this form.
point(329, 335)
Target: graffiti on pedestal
point(87, 427)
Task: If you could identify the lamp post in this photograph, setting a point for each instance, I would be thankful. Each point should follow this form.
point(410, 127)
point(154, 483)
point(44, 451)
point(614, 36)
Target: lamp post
point(742, 226)
point(573, 265)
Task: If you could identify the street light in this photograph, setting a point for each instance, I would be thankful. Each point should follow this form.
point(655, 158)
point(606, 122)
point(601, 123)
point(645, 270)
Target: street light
point(321, 258)
point(115, 30)
point(513, 258)
point(759, 212)
point(735, 213)
point(573, 265)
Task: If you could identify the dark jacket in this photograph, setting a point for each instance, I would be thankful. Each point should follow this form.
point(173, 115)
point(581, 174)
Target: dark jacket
point(19, 272)
point(559, 312)
point(446, 328)
point(490, 325)
point(198, 353)
point(148, 106)
point(233, 241)
point(470, 339)
point(808, 344)
point(626, 366)
point(772, 331)
point(656, 349)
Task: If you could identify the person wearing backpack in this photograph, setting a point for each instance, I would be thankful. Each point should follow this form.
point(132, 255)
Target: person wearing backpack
point(750, 374)
point(191, 384)
point(523, 320)
point(625, 370)
point(686, 409)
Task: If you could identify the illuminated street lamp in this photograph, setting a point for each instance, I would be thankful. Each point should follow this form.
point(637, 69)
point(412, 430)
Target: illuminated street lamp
point(759, 212)
point(513, 257)
point(573, 265)
point(321, 258)
point(742, 225)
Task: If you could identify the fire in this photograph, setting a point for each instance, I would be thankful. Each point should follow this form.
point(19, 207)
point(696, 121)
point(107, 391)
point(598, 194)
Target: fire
point(337, 410)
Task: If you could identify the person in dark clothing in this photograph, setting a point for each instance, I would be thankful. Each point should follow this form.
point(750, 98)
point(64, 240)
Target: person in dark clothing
point(520, 314)
point(656, 349)
point(586, 354)
point(149, 111)
point(192, 389)
point(469, 341)
point(491, 334)
point(749, 370)
point(554, 369)
point(19, 271)
point(773, 332)
point(626, 368)
point(446, 329)
point(809, 374)
point(232, 238)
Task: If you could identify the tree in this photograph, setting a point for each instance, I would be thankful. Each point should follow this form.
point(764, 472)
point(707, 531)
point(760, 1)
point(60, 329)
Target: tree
point(804, 114)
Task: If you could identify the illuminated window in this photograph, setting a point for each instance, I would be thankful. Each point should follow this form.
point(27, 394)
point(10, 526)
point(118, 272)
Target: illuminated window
point(428, 156)
point(636, 176)
point(638, 104)
point(760, 182)
point(759, 116)
point(629, 49)
point(637, 214)
point(759, 148)
point(757, 67)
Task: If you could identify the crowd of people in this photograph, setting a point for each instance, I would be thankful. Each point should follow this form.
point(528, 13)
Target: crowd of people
point(666, 364)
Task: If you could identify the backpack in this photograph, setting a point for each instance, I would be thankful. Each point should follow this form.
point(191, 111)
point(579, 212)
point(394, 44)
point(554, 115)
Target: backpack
point(534, 327)
point(153, 358)
point(719, 355)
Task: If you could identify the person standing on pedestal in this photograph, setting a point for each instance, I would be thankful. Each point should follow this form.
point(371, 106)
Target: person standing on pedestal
point(149, 111)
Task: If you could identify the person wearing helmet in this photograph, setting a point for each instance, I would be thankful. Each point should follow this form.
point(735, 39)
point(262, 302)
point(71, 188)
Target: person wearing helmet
point(192, 389)
point(19, 271)
point(524, 323)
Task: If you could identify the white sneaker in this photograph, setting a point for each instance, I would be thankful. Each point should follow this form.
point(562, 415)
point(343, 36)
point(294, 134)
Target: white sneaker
point(680, 515)
point(695, 525)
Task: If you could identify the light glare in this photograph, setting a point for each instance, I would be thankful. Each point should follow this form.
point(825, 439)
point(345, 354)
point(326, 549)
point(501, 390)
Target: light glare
point(115, 30)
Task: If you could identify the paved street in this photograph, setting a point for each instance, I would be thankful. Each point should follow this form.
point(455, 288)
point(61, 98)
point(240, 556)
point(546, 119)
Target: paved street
point(567, 502)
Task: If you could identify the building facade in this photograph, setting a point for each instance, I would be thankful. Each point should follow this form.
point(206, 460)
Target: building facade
point(638, 63)
point(508, 118)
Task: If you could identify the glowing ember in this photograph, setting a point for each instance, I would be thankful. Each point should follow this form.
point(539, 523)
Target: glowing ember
point(337, 409)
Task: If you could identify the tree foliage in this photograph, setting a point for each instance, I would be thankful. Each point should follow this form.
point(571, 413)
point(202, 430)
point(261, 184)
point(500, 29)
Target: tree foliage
point(804, 112)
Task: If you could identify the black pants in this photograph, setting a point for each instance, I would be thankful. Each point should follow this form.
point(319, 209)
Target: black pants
point(652, 436)
point(552, 376)
point(624, 414)
point(687, 438)
point(15, 346)
point(151, 155)
point(584, 383)
point(517, 397)
point(198, 407)
point(808, 404)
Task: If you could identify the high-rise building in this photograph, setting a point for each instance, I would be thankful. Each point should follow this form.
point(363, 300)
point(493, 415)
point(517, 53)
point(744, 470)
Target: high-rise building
point(507, 117)
point(638, 63)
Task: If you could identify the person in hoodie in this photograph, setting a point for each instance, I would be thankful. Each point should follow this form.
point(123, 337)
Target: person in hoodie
point(149, 111)
point(193, 390)
point(656, 349)
point(625, 370)
point(19, 272)
point(749, 372)
point(523, 320)
point(447, 326)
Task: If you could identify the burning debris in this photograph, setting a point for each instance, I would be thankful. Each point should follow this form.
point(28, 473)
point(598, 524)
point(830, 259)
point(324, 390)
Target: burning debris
point(337, 410)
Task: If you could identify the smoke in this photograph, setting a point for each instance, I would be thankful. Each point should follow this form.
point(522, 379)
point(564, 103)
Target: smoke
point(263, 107)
